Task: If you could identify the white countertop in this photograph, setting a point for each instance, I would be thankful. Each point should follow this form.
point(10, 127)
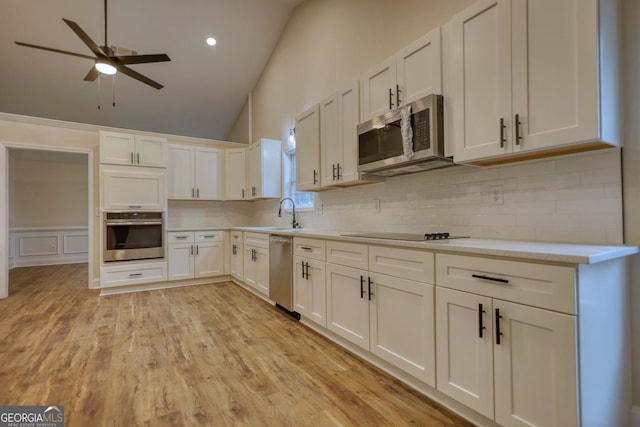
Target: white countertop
point(535, 251)
point(565, 253)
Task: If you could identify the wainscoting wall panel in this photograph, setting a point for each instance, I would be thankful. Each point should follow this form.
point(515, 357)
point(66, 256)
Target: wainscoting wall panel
point(47, 246)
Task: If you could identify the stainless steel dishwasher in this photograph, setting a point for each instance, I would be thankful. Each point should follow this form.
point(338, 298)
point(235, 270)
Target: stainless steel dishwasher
point(281, 271)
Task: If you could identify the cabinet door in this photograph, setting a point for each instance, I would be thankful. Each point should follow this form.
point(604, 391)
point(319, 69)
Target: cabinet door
point(464, 358)
point(180, 172)
point(254, 171)
point(308, 149)
point(535, 367)
point(209, 260)
point(237, 261)
point(151, 151)
point(317, 295)
point(250, 268)
point(300, 287)
point(481, 67)
point(235, 174)
point(262, 270)
point(379, 89)
point(402, 325)
point(208, 177)
point(555, 76)
point(124, 190)
point(330, 146)
point(117, 148)
point(348, 119)
point(181, 261)
point(347, 304)
point(419, 68)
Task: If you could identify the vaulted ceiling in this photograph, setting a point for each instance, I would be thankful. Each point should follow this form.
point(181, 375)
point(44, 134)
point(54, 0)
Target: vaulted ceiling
point(204, 87)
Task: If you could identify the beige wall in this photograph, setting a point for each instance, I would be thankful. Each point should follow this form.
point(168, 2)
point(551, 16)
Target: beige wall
point(48, 193)
point(240, 131)
point(328, 43)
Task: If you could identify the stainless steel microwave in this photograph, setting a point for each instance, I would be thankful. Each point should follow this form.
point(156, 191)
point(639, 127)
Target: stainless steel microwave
point(381, 150)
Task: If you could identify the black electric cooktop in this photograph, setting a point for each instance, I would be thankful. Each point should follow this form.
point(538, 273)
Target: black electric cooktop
point(412, 237)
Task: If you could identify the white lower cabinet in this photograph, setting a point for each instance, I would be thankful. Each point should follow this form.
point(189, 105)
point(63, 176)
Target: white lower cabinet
point(195, 254)
point(256, 261)
point(309, 296)
point(123, 274)
point(513, 363)
point(237, 256)
point(388, 315)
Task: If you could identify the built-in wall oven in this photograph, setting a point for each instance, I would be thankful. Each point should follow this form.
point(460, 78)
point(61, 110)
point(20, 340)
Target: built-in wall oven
point(133, 235)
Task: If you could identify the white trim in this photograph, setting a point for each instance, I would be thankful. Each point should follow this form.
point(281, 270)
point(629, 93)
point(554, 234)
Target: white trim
point(4, 222)
point(162, 285)
point(4, 195)
point(635, 416)
point(39, 121)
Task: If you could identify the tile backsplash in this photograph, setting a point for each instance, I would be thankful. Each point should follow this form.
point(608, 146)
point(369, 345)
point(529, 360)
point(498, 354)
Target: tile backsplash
point(575, 199)
point(566, 199)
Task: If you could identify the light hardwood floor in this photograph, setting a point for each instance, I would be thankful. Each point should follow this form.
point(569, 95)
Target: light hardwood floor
point(211, 355)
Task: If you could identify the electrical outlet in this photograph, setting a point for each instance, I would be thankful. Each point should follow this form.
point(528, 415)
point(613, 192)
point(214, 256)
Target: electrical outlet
point(496, 195)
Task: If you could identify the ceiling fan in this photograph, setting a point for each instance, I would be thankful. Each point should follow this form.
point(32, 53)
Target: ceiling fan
point(107, 60)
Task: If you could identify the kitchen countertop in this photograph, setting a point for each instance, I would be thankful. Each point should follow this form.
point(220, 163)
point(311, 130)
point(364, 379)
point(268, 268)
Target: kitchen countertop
point(532, 251)
point(565, 253)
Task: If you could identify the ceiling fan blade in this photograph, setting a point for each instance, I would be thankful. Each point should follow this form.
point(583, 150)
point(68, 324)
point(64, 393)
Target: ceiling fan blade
point(135, 75)
point(85, 38)
point(141, 59)
point(50, 49)
point(92, 75)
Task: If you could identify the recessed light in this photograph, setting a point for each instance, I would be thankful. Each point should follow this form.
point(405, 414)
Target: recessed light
point(211, 41)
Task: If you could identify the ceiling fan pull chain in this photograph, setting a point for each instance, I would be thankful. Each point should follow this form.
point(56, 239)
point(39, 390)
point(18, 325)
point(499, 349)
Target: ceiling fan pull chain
point(99, 80)
point(113, 95)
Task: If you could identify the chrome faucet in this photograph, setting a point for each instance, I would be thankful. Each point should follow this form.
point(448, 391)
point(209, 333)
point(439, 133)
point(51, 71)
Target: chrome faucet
point(294, 223)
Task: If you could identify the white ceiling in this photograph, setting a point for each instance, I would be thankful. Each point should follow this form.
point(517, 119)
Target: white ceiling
point(205, 87)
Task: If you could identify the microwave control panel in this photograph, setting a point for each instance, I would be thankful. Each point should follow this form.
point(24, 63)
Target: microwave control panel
point(421, 129)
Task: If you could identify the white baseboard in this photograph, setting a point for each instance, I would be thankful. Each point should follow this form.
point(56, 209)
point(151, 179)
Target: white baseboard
point(162, 285)
point(635, 416)
point(36, 262)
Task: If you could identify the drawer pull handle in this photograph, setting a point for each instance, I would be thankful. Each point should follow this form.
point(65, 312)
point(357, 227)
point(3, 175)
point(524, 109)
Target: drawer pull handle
point(135, 274)
point(481, 326)
point(209, 236)
point(305, 248)
point(135, 207)
point(181, 237)
point(498, 333)
point(493, 279)
point(361, 287)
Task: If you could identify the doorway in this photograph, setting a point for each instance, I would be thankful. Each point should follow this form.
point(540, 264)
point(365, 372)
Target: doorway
point(48, 215)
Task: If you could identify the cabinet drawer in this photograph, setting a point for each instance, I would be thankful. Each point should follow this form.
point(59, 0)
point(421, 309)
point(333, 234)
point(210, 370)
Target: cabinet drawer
point(259, 240)
point(180, 237)
point(133, 274)
point(311, 248)
point(209, 236)
point(544, 286)
point(349, 254)
point(404, 263)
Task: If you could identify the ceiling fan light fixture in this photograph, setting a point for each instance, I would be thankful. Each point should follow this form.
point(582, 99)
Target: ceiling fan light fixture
point(211, 41)
point(105, 68)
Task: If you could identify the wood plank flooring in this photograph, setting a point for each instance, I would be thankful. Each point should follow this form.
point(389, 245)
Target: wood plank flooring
point(212, 355)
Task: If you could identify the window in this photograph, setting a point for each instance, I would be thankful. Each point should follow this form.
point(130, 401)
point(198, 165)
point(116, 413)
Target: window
point(302, 199)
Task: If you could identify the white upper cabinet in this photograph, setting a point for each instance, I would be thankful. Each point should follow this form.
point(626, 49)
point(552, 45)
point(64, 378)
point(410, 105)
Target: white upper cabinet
point(235, 180)
point(525, 77)
point(412, 73)
point(195, 172)
point(125, 188)
point(134, 150)
point(308, 149)
point(330, 146)
point(264, 169)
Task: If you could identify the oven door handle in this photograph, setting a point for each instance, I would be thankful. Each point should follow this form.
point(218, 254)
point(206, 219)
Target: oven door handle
point(134, 223)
